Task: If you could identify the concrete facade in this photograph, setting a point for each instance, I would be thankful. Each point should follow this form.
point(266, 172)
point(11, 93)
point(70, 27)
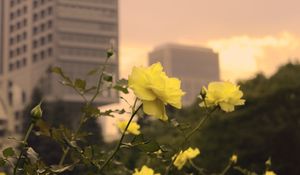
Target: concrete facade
point(194, 66)
point(38, 34)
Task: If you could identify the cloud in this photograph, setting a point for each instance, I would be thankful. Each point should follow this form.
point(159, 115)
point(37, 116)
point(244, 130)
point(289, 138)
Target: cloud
point(242, 56)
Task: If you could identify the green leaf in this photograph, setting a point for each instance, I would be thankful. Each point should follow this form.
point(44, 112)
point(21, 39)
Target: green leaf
point(150, 146)
point(44, 128)
point(8, 152)
point(91, 111)
point(88, 152)
point(145, 145)
point(109, 53)
point(121, 88)
point(107, 77)
point(58, 71)
point(93, 72)
point(110, 112)
point(122, 82)
point(2, 162)
point(80, 84)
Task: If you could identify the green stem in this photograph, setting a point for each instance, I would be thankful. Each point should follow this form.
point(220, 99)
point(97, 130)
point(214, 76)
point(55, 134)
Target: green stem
point(66, 151)
point(226, 168)
point(99, 81)
point(121, 139)
point(188, 136)
point(25, 144)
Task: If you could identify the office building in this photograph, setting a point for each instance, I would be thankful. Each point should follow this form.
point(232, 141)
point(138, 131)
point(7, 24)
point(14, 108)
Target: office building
point(194, 66)
point(38, 34)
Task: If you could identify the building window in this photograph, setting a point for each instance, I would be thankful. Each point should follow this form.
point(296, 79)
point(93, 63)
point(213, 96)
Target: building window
point(35, 44)
point(18, 51)
point(12, 3)
point(18, 64)
point(25, 22)
point(50, 10)
point(35, 30)
point(35, 57)
point(18, 38)
point(24, 48)
point(42, 27)
point(18, 25)
point(12, 15)
point(24, 61)
point(49, 24)
point(10, 94)
point(24, 35)
point(23, 97)
point(49, 38)
point(50, 52)
point(42, 14)
point(11, 54)
point(11, 67)
point(35, 3)
point(11, 41)
point(12, 28)
point(35, 17)
point(42, 41)
point(18, 12)
point(24, 9)
point(42, 54)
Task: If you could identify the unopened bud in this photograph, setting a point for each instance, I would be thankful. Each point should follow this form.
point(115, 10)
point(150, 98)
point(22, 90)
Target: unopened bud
point(37, 112)
point(234, 158)
point(203, 93)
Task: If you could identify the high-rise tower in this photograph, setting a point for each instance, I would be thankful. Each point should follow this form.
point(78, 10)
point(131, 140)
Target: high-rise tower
point(38, 34)
point(194, 66)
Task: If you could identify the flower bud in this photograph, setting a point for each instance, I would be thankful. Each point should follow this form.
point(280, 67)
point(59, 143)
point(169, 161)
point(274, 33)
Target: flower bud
point(37, 112)
point(234, 158)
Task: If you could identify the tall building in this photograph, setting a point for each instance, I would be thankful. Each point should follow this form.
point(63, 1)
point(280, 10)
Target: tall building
point(194, 66)
point(38, 34)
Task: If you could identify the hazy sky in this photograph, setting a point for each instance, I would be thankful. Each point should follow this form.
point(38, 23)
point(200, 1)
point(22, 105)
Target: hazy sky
point(250, 36)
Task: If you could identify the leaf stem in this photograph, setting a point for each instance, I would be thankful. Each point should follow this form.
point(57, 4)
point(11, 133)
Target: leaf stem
point(121, 140)
point(29, 130)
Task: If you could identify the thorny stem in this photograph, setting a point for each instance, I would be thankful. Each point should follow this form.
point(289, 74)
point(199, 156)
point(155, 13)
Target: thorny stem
point(66, 151)
point(188, 136)
point(25, 144)
point(121, 140)
point(226, 168)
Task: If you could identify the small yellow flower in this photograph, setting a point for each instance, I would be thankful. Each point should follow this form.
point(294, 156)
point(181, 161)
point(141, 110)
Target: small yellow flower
point(270, 173)
point(184, 156)
point(234, 158)
point(155, 89)
point(145, 171)
point(133, 128)
point(223, 94)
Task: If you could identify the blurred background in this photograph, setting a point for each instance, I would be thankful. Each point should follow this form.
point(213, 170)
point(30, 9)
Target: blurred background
point(253, 43)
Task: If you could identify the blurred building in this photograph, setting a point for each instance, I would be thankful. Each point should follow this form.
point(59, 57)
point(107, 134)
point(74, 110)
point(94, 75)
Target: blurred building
point(38, 34)
point(194, 66)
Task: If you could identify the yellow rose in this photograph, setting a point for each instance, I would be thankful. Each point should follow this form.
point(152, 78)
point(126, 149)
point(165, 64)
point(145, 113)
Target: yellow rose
point(223, 94)
point(234, 158)
point(145, 171)
point(155, 89)
point(133, 128)
point(270, 173)
point(184, 156)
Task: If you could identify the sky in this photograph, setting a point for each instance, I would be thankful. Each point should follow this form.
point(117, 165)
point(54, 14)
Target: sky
point(250, 36)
